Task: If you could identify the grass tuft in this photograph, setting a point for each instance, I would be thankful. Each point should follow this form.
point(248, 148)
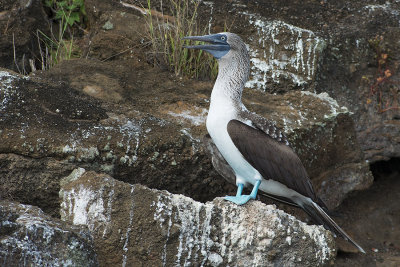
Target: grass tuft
point(60, 44)
point(167, 47)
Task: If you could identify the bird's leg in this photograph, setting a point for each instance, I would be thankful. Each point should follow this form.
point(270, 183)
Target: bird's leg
point(240, 199)
point(255, 189)
point(239, 190)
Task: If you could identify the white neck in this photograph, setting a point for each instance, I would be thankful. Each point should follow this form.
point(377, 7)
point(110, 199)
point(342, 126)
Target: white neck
point(232, 76)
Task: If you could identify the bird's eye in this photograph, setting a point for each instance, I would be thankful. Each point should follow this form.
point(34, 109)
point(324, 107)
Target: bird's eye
point(223, 38)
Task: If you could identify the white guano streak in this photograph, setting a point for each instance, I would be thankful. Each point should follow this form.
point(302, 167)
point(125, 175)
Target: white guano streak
point(296, 61)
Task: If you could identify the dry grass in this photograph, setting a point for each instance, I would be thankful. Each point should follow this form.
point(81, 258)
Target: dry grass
point(167, 47)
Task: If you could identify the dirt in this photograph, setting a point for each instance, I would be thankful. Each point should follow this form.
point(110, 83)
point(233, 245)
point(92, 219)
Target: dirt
point(373, 218)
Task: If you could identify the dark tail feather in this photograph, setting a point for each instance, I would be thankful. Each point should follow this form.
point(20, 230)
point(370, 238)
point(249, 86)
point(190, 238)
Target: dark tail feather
point(320, 217)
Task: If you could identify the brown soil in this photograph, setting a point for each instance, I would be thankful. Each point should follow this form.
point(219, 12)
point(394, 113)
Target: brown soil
point(373, 218)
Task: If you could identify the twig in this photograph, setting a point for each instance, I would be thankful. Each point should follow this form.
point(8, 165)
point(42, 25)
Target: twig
point(32, 64)
point(15, 57)
point(40, 50)
point(24, 72)
point(119, 53)
point(153, 12)
point(387, 109)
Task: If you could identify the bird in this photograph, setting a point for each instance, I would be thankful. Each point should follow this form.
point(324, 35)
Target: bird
point(247, 148)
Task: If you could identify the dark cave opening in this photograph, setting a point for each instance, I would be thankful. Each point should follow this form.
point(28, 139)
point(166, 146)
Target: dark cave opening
point(381, 169)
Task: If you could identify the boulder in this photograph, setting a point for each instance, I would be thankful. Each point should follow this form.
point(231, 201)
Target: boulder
point(133, 225)
point(350, 68)
point(33, 181)
point(31, 238)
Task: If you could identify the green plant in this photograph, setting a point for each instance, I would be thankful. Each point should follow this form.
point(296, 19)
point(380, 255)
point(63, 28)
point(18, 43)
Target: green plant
point(59, 45)
point(69, 11)
point(166, 33)
point(382, 87)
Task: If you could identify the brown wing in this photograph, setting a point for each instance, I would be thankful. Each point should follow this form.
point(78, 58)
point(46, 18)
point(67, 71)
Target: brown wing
point(273, 159)
point(266, 126)
point(225, 170)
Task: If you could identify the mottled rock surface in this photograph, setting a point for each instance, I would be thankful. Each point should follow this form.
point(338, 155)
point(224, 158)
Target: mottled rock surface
point(33, 181)
point(134, 226)
point(28, 237)
point(58, 127)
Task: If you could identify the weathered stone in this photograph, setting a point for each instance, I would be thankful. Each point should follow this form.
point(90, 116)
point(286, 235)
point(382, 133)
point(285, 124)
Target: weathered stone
point(116, 31)
point(350, 58)
point(42, 118)
point(33, 181)
point(133, 226)
point(283, 56)
point(31, 238)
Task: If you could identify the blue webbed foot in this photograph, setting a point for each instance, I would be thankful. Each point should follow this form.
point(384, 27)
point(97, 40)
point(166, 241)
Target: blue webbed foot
point(240, 199)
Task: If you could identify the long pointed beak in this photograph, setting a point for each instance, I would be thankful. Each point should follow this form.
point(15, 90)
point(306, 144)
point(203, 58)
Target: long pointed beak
point(206, 47)
point(217, 46)
point(206, 38)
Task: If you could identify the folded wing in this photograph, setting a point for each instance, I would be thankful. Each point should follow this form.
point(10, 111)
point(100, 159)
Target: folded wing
point(272, 158)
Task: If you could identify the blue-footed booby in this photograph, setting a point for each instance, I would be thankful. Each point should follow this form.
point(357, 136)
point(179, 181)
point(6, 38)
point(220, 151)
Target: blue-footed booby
point(247, 146)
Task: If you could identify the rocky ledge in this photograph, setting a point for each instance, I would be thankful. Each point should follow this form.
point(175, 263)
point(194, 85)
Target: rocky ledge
point(28, 237)
point(133, 225)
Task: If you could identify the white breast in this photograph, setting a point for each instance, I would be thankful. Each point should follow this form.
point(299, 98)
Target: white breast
point(220, 113)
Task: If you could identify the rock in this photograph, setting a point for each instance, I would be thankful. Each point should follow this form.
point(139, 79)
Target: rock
point(19, 24)
point(33, 181)
point(292, 58)
point(116, 32)
point(133, 225)
point(59, 126)
point(350, 69)
point(31, 238)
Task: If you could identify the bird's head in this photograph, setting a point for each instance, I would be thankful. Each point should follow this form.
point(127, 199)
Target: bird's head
point(220, 44)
